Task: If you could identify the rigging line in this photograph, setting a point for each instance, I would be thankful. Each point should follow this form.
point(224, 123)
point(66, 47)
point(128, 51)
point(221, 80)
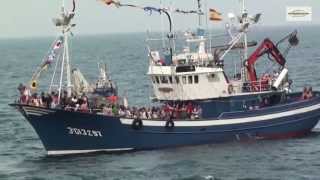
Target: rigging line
point(73, 6)
point(62, 68)
point(162, 28)
point(54, 72)
point(207, 24)
point(69, 63)
point(39, 68)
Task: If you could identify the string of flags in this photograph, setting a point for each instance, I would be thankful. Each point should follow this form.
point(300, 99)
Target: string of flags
point(214, 15)
point(51, 57)
point(53, 54)
point(149, 9)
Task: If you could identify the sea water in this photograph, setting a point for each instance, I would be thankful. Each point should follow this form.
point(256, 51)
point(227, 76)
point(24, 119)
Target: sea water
point(22, 155)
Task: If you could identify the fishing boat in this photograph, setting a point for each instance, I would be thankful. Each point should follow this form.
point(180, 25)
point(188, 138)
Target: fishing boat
point(199, 102)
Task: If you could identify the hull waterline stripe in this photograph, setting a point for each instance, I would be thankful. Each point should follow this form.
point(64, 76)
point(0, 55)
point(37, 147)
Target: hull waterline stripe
point(216, 122)
point(65, 152)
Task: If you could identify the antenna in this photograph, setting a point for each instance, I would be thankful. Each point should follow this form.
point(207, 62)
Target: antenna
point(64, 22)
point(243, 6)
point(199, 12)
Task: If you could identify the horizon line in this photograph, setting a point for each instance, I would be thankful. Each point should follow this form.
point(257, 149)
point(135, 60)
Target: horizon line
point(139, 32)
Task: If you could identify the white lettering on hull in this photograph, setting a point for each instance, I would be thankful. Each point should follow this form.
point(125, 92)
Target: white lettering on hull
point(84, 132)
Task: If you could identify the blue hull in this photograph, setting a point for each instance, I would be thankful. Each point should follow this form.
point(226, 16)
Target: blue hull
point(64, 132)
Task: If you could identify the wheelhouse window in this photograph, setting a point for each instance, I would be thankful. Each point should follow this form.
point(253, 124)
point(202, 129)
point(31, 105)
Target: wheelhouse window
point(157, 79)
point(180, 69)
point(164, 79)
point(190, 79)
point(184, 79)
point(153, 79)
point(196, 79)
point(170, 79)
point(177, 80)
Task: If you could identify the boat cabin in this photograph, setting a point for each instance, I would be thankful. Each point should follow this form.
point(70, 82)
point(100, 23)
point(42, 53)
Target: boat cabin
point(188, 82)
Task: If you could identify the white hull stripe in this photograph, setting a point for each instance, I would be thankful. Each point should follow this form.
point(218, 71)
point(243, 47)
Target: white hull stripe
point(37, 109)
point(216, 122)
point(66, 152)
point(35, 114)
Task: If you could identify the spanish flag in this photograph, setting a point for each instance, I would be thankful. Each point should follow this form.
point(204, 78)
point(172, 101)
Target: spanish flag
point(214, 15)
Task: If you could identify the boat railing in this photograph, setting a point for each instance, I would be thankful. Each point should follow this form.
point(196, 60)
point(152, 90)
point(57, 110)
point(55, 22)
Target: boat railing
point(252, 86)
point(201, 63)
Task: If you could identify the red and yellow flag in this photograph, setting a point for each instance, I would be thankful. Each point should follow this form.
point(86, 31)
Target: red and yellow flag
point(214, 15)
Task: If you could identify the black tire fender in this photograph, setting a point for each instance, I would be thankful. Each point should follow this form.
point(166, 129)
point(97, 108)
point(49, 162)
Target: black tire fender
point(169, 124)
point(137, 124)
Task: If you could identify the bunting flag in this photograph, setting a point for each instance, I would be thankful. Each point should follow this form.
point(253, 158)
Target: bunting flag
point(53, 54)
point(214, 15)
point(151, 9)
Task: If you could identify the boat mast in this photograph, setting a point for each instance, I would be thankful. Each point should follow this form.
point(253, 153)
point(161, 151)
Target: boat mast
point(65, 23)
point(170, 34)
point(67, 58)
point(63, 55)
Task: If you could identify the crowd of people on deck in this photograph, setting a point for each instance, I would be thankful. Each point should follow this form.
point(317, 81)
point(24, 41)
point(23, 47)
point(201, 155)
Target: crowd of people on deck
point(168, 111)
point(52, 100)
point(111, 107)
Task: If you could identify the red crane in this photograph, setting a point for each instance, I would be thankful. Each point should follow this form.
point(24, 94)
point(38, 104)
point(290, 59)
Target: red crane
point(266, 47)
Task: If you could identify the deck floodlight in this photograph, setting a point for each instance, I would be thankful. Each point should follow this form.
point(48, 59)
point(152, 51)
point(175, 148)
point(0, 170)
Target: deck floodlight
point(256, 18)
point(231, 16)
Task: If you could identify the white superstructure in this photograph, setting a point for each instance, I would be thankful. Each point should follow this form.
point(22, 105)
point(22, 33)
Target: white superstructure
point(196, 72)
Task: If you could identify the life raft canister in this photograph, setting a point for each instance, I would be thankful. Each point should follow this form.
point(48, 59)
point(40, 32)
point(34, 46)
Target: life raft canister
point(137, 124)
point(169, 124)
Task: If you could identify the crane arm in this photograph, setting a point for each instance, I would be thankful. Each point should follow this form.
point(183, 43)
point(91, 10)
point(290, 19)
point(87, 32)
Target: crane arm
point(266, 47)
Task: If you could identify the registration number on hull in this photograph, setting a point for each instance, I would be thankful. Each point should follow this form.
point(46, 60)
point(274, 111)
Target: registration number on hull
point(84, 132)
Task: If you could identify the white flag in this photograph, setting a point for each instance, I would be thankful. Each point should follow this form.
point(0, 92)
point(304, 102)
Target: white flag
point(299, 13)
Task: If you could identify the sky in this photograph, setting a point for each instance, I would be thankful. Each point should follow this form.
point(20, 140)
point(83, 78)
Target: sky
point(33, 18)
